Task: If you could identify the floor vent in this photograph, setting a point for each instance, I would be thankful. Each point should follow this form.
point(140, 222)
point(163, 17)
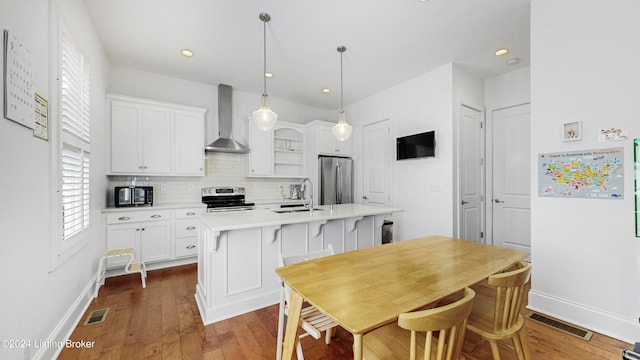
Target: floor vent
point(96, 316)
point(561, 325)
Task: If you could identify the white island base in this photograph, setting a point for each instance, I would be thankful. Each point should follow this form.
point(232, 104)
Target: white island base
point(238, 252)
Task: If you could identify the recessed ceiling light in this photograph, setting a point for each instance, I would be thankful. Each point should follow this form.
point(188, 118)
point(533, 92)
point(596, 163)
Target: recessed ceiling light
point(501, 52)
point(186, 52)
point(326, 90)
point(268, 75)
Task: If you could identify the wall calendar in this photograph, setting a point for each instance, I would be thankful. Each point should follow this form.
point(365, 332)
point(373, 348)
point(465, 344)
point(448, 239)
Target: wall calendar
point(19, 95)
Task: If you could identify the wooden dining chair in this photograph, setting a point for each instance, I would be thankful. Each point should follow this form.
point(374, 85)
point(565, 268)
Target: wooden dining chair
point(312, 320)
point(443, 326)
point(502, 319)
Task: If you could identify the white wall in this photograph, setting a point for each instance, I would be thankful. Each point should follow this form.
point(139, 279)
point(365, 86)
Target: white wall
point(35, 301)
point(586, 259)
point(422, 104)
point(147, 85)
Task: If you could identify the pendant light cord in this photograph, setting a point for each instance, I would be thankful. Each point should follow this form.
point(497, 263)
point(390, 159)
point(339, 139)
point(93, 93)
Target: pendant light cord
point(341, 50)
point(264, 47)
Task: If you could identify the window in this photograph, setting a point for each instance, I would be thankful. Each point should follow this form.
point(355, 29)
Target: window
point(75, 138)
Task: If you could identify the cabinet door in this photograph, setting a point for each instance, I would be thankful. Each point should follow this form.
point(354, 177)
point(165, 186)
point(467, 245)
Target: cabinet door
point(329, 145)
point(188, 138)
point(261, 155)
point(119, 237)
point(156, 140)
point(154, 241)
point(125, 146)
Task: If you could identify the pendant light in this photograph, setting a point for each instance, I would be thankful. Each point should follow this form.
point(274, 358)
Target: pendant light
point(342, 130)
point(264, 117)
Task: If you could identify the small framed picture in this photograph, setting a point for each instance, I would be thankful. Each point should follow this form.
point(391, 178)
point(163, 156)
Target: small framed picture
point(571, 131)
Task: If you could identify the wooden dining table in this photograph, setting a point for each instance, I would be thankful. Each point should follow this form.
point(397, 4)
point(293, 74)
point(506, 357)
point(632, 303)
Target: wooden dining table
point(365, 289)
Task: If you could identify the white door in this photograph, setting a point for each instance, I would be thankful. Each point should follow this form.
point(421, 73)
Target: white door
point(156, 140)
point(471, 178)
point(188, 138)
point(377, 159)
point(511, 190)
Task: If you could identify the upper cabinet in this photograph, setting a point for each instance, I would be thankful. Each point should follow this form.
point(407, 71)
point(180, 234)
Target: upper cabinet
point(321, 140)
point(149, 137)
point(278, 152)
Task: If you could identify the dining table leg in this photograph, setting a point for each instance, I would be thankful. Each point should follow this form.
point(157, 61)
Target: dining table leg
point(357, 346)
point(293, 318)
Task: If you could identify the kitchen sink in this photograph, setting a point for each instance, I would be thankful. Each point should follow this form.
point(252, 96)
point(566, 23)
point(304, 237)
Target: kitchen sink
point(293, 210)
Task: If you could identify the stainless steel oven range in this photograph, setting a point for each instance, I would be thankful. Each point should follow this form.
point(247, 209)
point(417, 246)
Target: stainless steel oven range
point(225, 199)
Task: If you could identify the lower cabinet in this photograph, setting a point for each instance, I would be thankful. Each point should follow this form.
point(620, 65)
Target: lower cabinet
point(156, 235)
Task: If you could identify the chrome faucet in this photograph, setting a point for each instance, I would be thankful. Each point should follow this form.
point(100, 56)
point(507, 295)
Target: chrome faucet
point(304, 187)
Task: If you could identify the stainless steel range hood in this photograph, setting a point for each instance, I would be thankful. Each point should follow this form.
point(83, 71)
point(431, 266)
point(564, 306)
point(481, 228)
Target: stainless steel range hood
point(225, 142)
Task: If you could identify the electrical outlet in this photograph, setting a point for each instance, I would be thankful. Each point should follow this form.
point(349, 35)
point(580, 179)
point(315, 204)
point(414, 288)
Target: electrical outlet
point(190, 187)
point(26, 353)
point(163, 187)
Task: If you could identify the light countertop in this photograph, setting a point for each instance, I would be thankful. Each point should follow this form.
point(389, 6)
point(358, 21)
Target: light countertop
point(155, 207)
point(235, 220)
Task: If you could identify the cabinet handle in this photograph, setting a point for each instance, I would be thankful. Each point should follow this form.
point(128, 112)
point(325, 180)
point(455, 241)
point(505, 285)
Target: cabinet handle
point(190, 213)
point(191, 228)
point(124, 218)
point(138, 229)
point(156, 216)
point(143, 229)
point(191, 247)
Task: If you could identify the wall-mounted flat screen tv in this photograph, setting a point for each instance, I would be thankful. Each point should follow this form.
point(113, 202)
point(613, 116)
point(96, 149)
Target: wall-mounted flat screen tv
point(416, 146)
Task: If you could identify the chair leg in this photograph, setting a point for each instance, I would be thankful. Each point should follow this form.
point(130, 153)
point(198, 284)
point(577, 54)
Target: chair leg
point(299, 350)
point(280, 325)
point(327, 336)
point(522, 335)
point(494, 350)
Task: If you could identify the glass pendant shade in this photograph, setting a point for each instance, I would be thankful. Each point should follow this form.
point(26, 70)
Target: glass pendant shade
point(264, 117)
point(342, 130)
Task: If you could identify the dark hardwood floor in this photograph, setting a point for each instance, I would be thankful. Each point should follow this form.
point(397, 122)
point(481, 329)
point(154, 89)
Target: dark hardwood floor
point(163, 322)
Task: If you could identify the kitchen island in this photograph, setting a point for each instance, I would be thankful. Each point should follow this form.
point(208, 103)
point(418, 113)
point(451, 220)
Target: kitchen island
point(238, 250)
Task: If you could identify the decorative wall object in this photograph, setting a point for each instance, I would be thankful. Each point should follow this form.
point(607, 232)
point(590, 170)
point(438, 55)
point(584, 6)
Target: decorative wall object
point(41, 128)
point(582, 174)
point(18, 81)
point(636, 182)
point(613, 134)
point(572, 131)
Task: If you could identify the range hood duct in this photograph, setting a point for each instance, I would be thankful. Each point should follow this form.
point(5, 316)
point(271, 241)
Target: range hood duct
point(225, 143)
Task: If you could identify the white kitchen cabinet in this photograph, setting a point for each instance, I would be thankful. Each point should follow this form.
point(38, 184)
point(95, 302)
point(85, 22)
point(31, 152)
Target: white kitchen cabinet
point(324, 142)
point(186, 232)
point(277, 153)
point(261, 155)
point(188, 133)
point(148, 137)
point(147, 232)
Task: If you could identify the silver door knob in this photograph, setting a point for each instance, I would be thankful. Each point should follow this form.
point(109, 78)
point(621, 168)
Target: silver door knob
point(365, 197)
point(498, 201)
point(464, 202)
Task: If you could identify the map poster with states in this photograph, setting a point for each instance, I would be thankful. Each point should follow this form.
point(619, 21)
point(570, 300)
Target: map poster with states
point(596, 174)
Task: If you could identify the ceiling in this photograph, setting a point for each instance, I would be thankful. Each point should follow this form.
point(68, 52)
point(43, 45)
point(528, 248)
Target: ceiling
point(387, 41)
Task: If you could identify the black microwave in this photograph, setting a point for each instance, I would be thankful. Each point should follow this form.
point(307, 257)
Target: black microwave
point(133, 196)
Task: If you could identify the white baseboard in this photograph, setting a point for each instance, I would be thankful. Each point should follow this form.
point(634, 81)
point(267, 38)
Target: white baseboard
point(608, 324)
point(65, 327)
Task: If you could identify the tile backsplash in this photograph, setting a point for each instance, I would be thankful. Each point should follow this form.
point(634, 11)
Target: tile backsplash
point(221, 169)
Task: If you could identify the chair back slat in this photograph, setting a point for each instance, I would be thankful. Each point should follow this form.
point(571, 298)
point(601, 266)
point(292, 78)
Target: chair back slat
point(446, 323)
point(510, 292)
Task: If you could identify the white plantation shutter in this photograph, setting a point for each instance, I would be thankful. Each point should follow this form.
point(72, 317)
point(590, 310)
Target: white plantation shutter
point(75, 138)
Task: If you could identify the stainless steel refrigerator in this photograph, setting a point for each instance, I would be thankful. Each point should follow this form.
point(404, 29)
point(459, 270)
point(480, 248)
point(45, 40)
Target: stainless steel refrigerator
point(335, 180)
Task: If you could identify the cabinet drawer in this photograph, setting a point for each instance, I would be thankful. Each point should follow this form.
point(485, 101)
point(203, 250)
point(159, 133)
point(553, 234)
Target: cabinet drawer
point(186, 227)
point(189, 213)
point(138, 216)
point(186, 246)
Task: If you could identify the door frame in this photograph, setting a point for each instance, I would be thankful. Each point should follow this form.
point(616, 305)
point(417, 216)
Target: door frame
point(457, 206)
point(489, 170)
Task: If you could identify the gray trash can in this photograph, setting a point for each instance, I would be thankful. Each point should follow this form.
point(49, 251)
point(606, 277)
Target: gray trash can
point(387, 232)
